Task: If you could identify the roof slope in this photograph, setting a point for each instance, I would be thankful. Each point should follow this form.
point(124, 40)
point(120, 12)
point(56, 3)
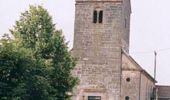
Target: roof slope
point(138, 67)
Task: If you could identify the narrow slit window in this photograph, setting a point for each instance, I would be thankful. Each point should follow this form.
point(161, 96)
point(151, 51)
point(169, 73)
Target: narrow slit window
point(101, 17)
point(125, 23)
point(95, 16)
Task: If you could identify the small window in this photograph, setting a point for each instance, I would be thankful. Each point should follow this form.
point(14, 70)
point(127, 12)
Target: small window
point(125, 23)
point(100, 16)
point(127, 98)
point(128, 79)
point(94, 97)
point(95, 16)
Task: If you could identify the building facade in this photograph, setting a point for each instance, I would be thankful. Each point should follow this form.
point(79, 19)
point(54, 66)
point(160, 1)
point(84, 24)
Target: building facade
point(101, 44)
point(163, 92)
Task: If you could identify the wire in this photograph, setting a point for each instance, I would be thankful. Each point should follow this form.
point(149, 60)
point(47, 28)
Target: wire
point(141, 52)
point(151, 51)
point(160, 50)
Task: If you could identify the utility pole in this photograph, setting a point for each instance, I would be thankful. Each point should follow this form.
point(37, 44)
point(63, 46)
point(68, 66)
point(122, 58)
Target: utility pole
point(155, 61)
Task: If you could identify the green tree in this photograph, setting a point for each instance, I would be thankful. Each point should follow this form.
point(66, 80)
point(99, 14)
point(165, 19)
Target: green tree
point(20, 73)
point(36, 32)
point(62, 62)
point(35, 29)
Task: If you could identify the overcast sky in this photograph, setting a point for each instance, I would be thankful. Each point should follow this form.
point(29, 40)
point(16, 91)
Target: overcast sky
point(150, 28)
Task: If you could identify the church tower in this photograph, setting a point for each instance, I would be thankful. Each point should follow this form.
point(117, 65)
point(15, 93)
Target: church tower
point(101, 33)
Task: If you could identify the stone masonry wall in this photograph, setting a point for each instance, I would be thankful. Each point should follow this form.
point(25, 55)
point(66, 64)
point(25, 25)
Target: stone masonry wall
point(126, 30)
point(140, 86)
point(130, 83)
point(146, 88)
point(98, 48)
point(130, 87)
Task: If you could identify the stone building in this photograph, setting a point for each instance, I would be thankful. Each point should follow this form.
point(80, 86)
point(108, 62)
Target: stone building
point(101, 44)
point(163, 92)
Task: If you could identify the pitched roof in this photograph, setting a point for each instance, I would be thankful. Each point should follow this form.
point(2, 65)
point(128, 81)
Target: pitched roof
point(163, 91)
point(139, 67)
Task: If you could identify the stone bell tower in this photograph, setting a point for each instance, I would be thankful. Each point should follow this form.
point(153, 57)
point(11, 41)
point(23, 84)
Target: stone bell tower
point(101, 33)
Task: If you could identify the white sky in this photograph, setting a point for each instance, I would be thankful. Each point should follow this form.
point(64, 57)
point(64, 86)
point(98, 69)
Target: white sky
point(150, 24)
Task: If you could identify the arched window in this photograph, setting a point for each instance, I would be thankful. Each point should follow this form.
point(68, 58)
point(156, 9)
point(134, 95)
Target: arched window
point(95, 16)
point(100, 16)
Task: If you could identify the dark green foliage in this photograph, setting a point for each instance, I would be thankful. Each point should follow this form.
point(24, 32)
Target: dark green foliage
point(21, 75)
point(37, 64)
point(62, 80)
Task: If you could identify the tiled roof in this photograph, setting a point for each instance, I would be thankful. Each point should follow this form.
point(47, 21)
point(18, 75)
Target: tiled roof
point(163, 91)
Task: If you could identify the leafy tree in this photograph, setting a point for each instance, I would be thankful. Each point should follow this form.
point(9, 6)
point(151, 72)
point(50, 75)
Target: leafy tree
point(61, 77)
point(36, 32)
point(20, 73)
point(35, 28)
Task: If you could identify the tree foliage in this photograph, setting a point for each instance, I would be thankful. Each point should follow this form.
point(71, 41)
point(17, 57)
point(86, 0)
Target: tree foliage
point(37, 64)
point(20, 73)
